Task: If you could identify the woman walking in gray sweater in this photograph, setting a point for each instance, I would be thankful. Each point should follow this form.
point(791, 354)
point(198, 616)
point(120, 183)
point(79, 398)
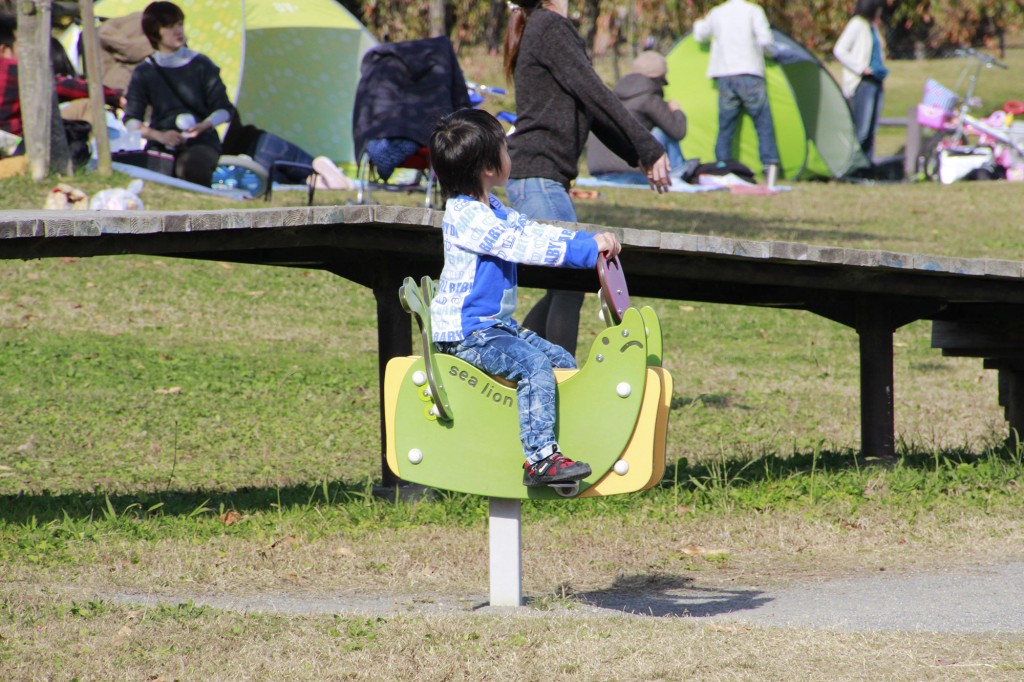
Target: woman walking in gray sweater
point(560, 99)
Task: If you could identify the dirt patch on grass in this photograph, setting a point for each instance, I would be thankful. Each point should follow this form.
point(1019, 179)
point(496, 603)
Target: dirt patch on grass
point(105, 640)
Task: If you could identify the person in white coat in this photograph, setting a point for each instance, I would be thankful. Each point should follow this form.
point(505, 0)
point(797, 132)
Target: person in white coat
point(740, 36)
point(859, 50)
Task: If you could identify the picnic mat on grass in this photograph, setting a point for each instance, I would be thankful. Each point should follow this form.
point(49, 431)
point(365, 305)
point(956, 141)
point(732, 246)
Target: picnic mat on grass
point(738, 185)
point(677, 186)
point(707, 183)
point(160, 178)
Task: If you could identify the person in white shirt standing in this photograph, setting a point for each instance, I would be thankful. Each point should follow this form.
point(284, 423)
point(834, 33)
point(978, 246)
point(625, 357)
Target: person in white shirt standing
point(740, 36)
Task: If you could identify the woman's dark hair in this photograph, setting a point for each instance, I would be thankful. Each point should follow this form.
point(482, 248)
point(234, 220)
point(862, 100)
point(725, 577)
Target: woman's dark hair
point(60, 63)
point(867, 8)
point(514, 34)
point(463, 145)
point(158, 15)
point(8, 30)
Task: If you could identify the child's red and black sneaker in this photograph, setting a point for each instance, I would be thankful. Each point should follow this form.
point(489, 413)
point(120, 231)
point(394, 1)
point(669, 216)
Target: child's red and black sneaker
point(555, 468)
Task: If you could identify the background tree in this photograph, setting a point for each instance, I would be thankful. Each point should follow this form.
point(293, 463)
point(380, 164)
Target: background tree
point(916, 27)
point(45, 143)
point(495, 31)
point(435, 13)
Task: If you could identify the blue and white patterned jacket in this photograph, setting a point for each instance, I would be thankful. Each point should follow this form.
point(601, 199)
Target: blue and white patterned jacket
point(482, 244)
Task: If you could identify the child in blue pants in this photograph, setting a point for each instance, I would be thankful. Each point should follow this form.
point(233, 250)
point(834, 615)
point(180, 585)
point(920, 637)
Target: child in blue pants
point(471, 312)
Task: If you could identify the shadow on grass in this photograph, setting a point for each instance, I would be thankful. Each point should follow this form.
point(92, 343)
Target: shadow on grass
point(671, 595)
point(45, 507)
point(768, 228)
point(739, 473)
point(711, 400)
point(802, 471)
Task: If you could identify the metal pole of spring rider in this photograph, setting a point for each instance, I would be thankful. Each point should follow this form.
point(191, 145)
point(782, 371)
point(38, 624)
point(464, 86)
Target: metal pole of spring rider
point(506, 556)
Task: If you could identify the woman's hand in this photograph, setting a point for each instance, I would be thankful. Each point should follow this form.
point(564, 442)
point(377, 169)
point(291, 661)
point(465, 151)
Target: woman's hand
point(168, 138)
point(608, 244)
point(658, 174)
point(198, 129)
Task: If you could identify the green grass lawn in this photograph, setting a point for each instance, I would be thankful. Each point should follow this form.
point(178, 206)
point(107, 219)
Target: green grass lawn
point(173, 428)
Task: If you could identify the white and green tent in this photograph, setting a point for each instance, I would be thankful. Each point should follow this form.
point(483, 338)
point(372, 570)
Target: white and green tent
point(290, 66)
point(813, 126)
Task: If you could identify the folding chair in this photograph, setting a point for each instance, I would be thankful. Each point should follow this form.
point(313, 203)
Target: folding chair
point(404, 88)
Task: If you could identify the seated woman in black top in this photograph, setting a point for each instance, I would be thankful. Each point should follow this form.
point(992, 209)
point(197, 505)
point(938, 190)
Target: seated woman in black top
point(187, 97)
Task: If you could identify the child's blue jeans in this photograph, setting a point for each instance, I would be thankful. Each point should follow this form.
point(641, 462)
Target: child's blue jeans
point(520, 355)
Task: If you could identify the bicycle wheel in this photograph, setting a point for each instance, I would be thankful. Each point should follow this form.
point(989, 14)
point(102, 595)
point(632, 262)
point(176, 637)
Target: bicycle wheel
point(930, 153)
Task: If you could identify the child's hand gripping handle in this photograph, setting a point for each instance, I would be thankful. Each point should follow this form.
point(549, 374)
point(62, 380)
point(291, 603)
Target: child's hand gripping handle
point(614, 293)
point(607, 245)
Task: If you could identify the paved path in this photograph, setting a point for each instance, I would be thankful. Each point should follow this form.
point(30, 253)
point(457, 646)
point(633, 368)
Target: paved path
point(988, 599)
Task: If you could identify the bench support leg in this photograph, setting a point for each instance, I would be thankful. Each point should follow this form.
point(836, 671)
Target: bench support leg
point(394, 339)
point(1011, 397)
point(877, 424)
point(506, 551)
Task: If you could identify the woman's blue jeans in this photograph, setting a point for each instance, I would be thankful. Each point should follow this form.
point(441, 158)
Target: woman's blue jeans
point(541, 199)
point(866, 107)
point(520, 355)
point(556, 316)
point(674, 151)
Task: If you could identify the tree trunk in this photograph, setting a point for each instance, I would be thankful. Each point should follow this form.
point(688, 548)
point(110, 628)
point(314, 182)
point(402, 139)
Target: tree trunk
point(496, 27)
point(45, 143)
point(94, 75)
point(436, 18)
point(591, 11)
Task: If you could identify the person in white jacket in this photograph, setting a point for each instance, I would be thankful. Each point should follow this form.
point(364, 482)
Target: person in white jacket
point(740, 36)
point(859, 50)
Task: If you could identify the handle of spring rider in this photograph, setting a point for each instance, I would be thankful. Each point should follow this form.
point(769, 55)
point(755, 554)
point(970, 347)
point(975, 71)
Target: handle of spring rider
point(415, 301)
point(614, 292)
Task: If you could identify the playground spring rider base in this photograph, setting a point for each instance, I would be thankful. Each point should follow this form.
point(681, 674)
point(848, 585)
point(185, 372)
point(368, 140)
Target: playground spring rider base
point(451, 426)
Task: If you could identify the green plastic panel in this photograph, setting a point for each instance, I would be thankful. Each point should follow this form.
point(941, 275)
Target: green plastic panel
point(479, 451)
point(654, 342)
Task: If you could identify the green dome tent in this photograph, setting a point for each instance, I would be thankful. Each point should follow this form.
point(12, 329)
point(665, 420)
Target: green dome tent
point(813, 126)
point(290, 66)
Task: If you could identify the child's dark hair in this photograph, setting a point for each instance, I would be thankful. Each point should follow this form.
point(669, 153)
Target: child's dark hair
point(463, 145)
point(159, 15)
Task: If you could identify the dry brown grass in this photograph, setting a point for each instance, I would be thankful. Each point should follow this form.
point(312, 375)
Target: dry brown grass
point(768, 550)
point(628, 557)
point(189, 643)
